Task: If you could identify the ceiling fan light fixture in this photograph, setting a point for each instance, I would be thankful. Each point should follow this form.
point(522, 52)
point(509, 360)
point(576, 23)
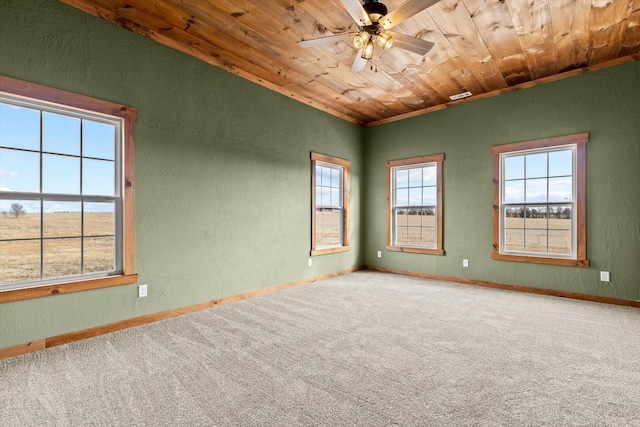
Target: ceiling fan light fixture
point(360, 39)
point(367, 51)
point(384, 40)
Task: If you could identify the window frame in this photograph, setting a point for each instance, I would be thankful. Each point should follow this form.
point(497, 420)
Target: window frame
point(438, 160)
point(579, 142)
point(56, 98)
point(345, 165)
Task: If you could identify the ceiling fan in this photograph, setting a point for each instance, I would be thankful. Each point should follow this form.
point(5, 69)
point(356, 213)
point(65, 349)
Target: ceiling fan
point(373, 24)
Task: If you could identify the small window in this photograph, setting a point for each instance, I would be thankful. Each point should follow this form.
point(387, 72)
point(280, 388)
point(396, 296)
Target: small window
point(330, 218)
point(65, 190)
point(414, 214)
point(539, 193)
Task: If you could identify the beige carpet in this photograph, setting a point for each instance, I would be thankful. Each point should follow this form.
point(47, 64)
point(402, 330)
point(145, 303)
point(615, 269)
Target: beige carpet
point(365, 349)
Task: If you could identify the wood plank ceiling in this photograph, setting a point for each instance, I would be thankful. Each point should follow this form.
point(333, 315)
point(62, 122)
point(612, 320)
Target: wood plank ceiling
point(485, 47)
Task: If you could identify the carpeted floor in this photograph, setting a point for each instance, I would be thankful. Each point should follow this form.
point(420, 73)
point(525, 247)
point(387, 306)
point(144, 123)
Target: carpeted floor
point(364, 349)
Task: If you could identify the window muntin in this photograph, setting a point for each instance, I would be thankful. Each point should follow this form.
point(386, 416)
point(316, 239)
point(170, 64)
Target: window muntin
point(330, 178)
point(539, 201)
point(415, 204)
point(60, 198)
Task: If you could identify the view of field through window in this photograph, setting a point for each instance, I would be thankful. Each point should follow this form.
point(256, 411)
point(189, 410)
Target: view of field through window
point(329, 212)
point(58, 193)
point(538, 191)
point(415, 200)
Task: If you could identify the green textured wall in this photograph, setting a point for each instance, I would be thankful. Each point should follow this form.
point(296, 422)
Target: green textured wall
point(605, 103)
point(222, 173)
point(222, 169)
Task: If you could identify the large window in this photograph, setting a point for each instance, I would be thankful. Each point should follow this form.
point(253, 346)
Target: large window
point(330, 219)
point(414, 214)
point(539, 196)
point(65, 188)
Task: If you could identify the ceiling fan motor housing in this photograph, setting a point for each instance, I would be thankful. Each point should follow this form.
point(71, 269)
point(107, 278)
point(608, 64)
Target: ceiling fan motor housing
point(374, 9)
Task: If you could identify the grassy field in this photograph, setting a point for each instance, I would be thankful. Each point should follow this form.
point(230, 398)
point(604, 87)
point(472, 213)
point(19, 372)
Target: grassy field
point(20, 259)
point(536, 238)
point(415, 230)
point(328, 226)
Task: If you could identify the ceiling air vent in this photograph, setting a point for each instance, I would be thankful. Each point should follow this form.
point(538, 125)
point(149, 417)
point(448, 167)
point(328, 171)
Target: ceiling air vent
point(460, 96)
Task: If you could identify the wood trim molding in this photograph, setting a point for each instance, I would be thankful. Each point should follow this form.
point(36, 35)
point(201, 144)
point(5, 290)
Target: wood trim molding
point(10, 295)
point(149, 318)
point(525, 85)
point(20, 349)
point(509, 287)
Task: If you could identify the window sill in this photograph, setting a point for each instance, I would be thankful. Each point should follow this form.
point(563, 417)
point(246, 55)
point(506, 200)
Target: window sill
point(542, 260)
point(66, 287)
point(415, 250)
point(330, 250)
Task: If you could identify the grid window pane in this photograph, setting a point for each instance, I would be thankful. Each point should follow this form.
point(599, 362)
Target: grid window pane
point(536, 241)
point(19, 219)
point(561, 189)
point(98, 177)
point(99, 219)
point(514, 239)
point(536, 190)
point(429, 236)
point(60, 134)
point(561, 163)
point(536, 165)
point(62, 219)
point(99, 254)
point(19, 127)
point(402, 178)
point(513, 191)
point(560, 242)
point(98, 139)
point(19, 171)
point(62, 257)
point(60, 174)
point(415, 177)
point(514, 167)
point(19, 260)
point(402, 218)
point(429, 176)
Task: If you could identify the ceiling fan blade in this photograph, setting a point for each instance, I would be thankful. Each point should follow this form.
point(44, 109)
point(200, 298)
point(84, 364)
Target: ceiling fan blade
point(325, 40)
point(357, 12)
point(404, 11)
point(359, 63)
point(412, 44)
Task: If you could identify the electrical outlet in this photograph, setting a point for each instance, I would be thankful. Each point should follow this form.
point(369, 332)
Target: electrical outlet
point(379, 254)
point(604, 276)
point(142, 291)
point(310, 262)
point(465, 263)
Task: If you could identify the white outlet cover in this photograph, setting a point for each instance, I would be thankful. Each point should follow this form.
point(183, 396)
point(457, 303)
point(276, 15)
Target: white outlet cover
point(379, 254)
point(142, 291)
point(310, 262)
point(465, 263)
point(604, 276)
